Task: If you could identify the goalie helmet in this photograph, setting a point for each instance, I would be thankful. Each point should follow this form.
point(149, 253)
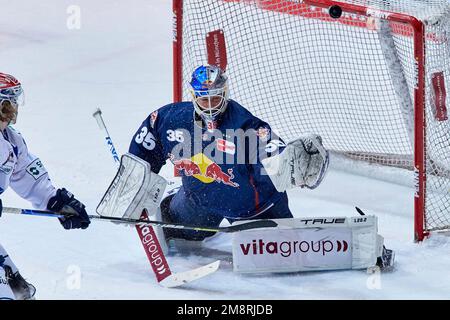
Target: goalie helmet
point(209, 89)
point(11, 98)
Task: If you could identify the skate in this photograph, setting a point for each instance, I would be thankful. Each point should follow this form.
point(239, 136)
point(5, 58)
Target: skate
point(22, 290)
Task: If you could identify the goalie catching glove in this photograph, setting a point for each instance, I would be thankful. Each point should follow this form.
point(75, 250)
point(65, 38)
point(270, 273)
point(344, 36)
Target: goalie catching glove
point(303, 163)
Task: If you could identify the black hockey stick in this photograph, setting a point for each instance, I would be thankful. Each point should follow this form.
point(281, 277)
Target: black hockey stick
point(263, 223)
point(233, 228)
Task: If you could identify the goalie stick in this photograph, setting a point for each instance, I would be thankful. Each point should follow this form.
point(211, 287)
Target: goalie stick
point(150, 242)
point(151, 245)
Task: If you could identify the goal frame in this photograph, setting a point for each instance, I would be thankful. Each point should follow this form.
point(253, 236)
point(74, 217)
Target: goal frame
point(418, 27)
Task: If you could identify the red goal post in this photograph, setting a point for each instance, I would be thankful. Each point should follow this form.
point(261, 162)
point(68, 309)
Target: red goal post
point(411, 39)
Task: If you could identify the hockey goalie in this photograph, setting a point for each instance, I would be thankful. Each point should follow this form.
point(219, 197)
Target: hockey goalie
point(233, 167)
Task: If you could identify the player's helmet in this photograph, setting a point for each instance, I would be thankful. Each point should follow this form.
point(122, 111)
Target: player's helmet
point(11, 98)
point(209, 89)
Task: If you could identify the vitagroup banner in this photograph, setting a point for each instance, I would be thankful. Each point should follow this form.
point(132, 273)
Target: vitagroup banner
point(286, 250)
point(309, 244)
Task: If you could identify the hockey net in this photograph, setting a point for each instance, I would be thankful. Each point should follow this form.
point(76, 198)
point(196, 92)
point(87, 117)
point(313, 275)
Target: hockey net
point(372, 82)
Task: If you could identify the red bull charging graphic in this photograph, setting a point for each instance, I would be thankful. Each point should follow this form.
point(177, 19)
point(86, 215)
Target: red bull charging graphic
point(201, 167)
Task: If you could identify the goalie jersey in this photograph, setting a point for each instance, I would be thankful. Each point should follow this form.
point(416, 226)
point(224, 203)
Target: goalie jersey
point(220, 166)
point(23, 171)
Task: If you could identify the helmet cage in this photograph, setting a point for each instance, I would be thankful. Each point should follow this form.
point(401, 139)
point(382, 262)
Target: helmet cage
point(210, 103)
point(209, 90)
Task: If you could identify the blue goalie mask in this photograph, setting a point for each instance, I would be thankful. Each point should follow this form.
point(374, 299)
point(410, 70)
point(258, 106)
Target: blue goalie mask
point(209, 89)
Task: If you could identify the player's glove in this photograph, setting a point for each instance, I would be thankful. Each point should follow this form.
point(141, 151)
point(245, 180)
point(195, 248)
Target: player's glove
point(65, 202)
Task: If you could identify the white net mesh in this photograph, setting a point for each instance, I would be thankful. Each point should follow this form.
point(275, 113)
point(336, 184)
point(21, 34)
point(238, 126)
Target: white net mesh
point(351, 79)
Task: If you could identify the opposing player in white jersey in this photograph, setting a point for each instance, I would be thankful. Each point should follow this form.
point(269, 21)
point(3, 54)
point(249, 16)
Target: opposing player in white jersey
point(26, 175)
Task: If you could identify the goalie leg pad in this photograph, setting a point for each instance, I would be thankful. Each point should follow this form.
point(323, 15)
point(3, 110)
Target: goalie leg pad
point(309, 244)
point(182, 211)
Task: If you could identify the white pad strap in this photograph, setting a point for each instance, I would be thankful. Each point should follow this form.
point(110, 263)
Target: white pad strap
point(134, 188)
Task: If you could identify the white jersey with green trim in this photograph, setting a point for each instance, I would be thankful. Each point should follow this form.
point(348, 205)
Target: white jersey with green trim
point(23, 171)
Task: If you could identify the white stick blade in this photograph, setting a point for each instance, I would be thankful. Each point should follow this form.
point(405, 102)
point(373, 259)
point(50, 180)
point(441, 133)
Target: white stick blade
point(178, 279)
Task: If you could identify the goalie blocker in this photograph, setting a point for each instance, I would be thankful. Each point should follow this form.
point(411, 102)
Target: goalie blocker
point(312, 244)
point(134, 188)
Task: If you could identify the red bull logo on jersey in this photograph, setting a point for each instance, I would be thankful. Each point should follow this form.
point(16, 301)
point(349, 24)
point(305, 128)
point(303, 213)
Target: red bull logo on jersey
point(204, 169)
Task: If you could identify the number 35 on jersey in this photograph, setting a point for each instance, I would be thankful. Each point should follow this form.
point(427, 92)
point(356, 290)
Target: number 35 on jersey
point(146, 138)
